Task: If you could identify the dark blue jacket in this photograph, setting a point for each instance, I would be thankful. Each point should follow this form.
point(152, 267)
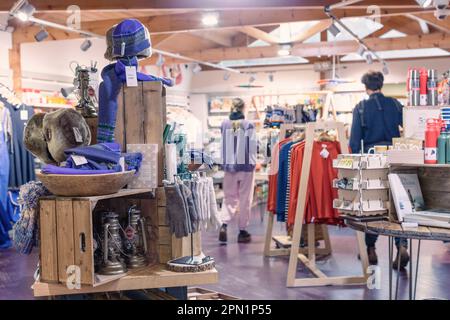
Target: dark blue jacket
point(375, 121)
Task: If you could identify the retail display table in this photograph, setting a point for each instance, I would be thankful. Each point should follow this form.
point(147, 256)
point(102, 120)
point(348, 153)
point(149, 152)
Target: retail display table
point(156, 276)
point(395, 230)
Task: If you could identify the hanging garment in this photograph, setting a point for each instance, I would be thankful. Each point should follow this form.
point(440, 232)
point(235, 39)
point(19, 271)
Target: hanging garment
point(12, 205)
point(273, 176)
point(282, 180)
point(26, 233)
point(238, 193)
point(320, 192)
point(5, 219)
point(21, 161)
point(214, 220)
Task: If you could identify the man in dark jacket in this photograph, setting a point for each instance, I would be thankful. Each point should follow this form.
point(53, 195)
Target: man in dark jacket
point(375, 122)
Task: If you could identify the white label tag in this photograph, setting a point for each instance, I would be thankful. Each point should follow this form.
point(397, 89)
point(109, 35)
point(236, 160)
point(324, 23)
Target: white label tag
point(24, 115)
point(324, 153)
point(79, 160)
point(131, 75)
point(77, 134)
point(122, 163)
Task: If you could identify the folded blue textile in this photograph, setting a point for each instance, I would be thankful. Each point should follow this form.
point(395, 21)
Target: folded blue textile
point(52, 169)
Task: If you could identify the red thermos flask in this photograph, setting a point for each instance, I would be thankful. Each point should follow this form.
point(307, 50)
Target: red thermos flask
point(423, 87)
point(432, 132)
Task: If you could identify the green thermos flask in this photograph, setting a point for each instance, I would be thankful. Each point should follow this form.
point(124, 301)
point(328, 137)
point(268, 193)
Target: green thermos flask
point(442, 147)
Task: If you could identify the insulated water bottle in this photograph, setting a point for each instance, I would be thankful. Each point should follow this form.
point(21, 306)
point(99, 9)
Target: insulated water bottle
point(432, 88)
point(442, 147)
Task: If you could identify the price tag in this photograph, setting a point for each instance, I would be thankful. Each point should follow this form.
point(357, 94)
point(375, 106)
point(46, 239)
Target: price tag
point(77, 134)
point(79, 160)
point(131, 76)
point(346, 163)
point(324, 153)
point(24, 115)
point(122, 163)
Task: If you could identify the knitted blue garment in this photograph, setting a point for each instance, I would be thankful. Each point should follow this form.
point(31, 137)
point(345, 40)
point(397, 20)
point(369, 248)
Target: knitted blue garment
point(129, 38)
point(113, 78)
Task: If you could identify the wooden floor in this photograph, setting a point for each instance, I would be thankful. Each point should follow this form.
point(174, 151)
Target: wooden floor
point(243, 272)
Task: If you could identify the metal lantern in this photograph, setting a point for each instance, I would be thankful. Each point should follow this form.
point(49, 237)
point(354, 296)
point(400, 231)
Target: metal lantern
point(135, 239)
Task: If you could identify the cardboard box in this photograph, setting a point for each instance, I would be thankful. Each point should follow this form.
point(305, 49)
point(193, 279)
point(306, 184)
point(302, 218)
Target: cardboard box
point(406, 156)
point(415, 118)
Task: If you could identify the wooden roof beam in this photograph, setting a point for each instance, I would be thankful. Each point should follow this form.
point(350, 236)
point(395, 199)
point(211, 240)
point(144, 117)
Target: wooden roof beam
point(435, 40)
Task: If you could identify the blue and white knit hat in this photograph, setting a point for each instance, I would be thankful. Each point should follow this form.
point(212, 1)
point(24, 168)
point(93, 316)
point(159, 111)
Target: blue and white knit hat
point(131, 38)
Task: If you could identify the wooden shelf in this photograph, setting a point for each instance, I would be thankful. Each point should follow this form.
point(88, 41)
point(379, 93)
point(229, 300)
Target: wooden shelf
point(156, 276)
point(421, 165)
point(121, 193)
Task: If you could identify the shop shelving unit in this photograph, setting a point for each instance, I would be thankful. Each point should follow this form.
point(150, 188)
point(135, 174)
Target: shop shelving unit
point(140, 120)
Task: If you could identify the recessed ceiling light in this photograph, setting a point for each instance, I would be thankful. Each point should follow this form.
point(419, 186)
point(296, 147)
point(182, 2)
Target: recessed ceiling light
point(210, 19)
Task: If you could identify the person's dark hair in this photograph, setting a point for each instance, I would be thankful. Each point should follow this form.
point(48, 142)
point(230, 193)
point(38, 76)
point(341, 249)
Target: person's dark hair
point(237, 109)
point(373, 80)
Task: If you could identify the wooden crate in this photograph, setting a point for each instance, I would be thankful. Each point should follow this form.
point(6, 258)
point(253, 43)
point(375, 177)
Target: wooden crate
point(67, 233)
point(141, 118)
point(205, 294)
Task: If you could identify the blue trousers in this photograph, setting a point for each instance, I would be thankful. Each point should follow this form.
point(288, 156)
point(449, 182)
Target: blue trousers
point(5, 223)
point(371, 239)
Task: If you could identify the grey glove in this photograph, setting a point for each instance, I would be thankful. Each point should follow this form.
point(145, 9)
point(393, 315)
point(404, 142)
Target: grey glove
point(191, 207)
point(176, 211)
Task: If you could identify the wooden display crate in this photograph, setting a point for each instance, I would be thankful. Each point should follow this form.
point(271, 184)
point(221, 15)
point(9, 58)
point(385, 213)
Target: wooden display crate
point(67, 233)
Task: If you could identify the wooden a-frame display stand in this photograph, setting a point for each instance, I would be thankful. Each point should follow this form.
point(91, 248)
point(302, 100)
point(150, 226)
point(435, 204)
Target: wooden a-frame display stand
point(284, 241)
point(320, 279)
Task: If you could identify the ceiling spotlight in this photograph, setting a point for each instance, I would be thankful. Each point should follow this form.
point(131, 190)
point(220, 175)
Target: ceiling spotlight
point(335, 31)
point(271, 77)
point(385, 69)
point(284, 50)
point(361, 51)
point(424, 3)
point(252, 78)
point(197, 68)
point(369, 58)
point(210, 19)
point(160, 60)
point(25, 11)
point(86, 45)
point(41, 35)
point(226, 76)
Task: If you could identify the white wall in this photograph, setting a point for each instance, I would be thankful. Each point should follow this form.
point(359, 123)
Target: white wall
point(5, 45)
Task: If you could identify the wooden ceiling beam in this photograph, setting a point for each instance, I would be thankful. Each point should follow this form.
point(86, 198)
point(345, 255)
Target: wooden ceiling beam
point(437, 40)
point(216, 37)
point(185, 22)
point(429, 18)
point(259, 34)
point(45, 5)
point(317, 28)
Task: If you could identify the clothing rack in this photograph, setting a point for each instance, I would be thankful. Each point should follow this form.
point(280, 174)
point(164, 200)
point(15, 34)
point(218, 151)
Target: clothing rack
point(310, 261)
point(284, 241)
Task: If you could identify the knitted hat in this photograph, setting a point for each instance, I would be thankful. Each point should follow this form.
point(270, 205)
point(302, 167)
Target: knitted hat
point(109, 43)
point(131, 38)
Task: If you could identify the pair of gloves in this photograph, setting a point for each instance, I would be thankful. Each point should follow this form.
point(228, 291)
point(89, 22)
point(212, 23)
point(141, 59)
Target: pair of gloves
point(181, 212)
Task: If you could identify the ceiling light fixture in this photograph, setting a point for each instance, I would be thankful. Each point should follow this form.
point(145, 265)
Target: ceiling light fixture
point(271, 77)
point(361, 51)
point(369, 58)
point(210, 19)
point(41, 35)
point(252, 78)
point(197, 68)
point(385, 69)
point(335, 31)
point(424, 3)
point(226, 76)
point(85, 45)
point(284, 50)
point(25, 11)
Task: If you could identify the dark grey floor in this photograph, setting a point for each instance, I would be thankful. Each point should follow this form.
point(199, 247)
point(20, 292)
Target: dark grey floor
point(245, 273)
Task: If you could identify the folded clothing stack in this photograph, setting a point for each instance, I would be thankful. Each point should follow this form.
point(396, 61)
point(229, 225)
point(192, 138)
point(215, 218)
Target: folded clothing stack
point(96, 159)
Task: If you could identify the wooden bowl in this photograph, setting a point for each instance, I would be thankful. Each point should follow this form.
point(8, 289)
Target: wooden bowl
point(85, 185)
